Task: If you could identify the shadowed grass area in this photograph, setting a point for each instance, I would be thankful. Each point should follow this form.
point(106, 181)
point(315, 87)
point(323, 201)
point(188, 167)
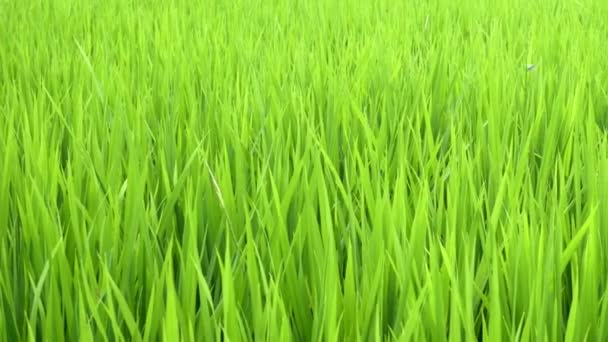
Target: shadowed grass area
point(303, 170)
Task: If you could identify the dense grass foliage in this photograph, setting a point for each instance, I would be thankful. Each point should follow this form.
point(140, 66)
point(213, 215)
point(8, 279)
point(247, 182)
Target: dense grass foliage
point(303, 170)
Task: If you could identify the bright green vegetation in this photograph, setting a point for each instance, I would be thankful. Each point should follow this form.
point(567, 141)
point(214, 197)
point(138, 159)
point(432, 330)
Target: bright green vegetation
point(303, 170)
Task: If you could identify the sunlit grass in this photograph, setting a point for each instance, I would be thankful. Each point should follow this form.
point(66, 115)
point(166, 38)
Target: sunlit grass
point(307, 171)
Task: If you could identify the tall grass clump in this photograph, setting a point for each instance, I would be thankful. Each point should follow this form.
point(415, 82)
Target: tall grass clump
point(303, 170)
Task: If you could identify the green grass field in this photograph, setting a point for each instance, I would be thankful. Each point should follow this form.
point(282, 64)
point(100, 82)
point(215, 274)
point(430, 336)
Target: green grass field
point(303, 170)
